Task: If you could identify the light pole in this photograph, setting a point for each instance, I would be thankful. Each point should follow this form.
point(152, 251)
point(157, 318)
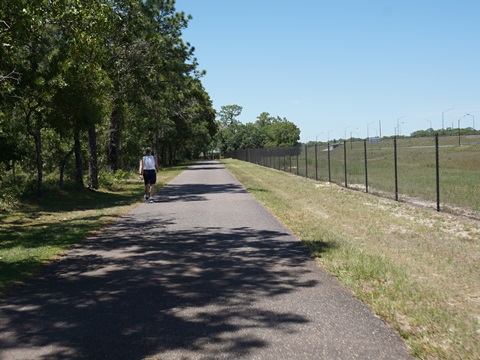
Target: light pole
point(351, 139)
point(430, 121)
point(473, 117)
point(348, 127)
point(459, 128)
point(398, 123)
point(443, 112)
point(316, 137)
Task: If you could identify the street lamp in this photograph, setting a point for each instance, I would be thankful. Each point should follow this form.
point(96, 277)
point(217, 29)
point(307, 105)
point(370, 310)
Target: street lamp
point(397, 128)
point(473, 117)
point(345, 137)
point(316, 136)
point(443, 128)
point(328, 135)
point(351, 139)
point(459, 128)
point(398, 123)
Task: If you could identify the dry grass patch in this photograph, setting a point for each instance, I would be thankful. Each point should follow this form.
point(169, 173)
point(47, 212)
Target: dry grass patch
point(416, 268)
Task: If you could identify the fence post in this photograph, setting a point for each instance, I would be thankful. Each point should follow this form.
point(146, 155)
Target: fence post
point(306, 161)
point(329, 170)
point(366, 166)
point(297, 165)
point(316, 164)
point(437, 166)
point(345, 160)
point(395, 165)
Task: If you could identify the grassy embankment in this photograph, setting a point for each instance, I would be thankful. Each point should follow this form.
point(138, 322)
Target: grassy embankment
point(459, 170)
point(37, 232)
point(416, 268)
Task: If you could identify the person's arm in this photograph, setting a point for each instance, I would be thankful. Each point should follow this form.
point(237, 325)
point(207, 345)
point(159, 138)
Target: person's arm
point(140, 167)
point(156, 163)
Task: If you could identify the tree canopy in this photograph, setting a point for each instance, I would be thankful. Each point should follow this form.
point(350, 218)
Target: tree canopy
point(98, 80)
point(86, 86)
point(266, 131)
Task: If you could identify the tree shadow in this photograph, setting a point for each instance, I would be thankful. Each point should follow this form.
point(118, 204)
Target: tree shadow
point(196, 192)
point(210, 167)
point(137, 289)
point(28, 245)
point(318, 247)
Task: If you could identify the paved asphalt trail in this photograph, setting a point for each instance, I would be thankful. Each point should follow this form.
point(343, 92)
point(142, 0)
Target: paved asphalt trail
point(205, 272)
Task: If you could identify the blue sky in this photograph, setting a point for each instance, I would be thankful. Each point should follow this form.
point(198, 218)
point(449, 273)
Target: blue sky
point(341, 66)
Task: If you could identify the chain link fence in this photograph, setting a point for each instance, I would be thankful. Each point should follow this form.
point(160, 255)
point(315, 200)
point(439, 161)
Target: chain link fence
point(440, 172)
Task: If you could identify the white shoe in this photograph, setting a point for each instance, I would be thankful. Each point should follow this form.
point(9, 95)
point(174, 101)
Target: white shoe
point(151, 200)
point(145, 197)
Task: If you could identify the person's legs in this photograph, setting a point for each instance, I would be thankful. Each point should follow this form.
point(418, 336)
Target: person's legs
point(149, 178)
point(152, 184)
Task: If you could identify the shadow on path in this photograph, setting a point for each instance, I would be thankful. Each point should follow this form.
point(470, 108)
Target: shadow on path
point(136, 290)
point(196, 192)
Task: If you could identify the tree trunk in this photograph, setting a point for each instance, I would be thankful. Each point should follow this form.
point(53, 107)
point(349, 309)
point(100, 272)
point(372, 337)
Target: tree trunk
point(93, 159)
point(38, 149)
point(37, 136)
point(163, 154)
point(63, 164)
point(114, 140)
point(13, 172)
point(78, 159)
point(157, 143)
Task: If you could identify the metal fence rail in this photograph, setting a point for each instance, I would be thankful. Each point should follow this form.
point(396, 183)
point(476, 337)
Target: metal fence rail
point(439, 172)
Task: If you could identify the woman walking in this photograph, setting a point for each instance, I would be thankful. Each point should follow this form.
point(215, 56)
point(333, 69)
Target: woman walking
point(148, 169)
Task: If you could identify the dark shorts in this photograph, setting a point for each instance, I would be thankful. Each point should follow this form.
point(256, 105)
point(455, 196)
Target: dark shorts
point(149, 177)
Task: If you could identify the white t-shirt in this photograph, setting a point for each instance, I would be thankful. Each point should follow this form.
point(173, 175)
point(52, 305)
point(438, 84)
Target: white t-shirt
point(148, 162)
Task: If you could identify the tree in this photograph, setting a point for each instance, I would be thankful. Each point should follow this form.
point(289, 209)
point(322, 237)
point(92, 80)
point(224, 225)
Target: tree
point(228, 114)
point(29, 50)
point(282, 132)
point(264, 119)
point(267, 131)
point(115, 72)
point(253, 137)
point(228, 137)
point(146, 52)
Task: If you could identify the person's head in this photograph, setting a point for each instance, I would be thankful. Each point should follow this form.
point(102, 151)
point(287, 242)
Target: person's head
point(148, 151)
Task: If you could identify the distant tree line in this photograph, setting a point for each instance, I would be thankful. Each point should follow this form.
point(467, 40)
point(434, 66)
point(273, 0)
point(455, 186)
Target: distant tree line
point(266, 132)
point(85, 86)
point(445, 132)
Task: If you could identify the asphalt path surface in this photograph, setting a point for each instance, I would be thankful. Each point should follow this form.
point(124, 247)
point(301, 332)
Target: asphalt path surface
point(205, 272)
